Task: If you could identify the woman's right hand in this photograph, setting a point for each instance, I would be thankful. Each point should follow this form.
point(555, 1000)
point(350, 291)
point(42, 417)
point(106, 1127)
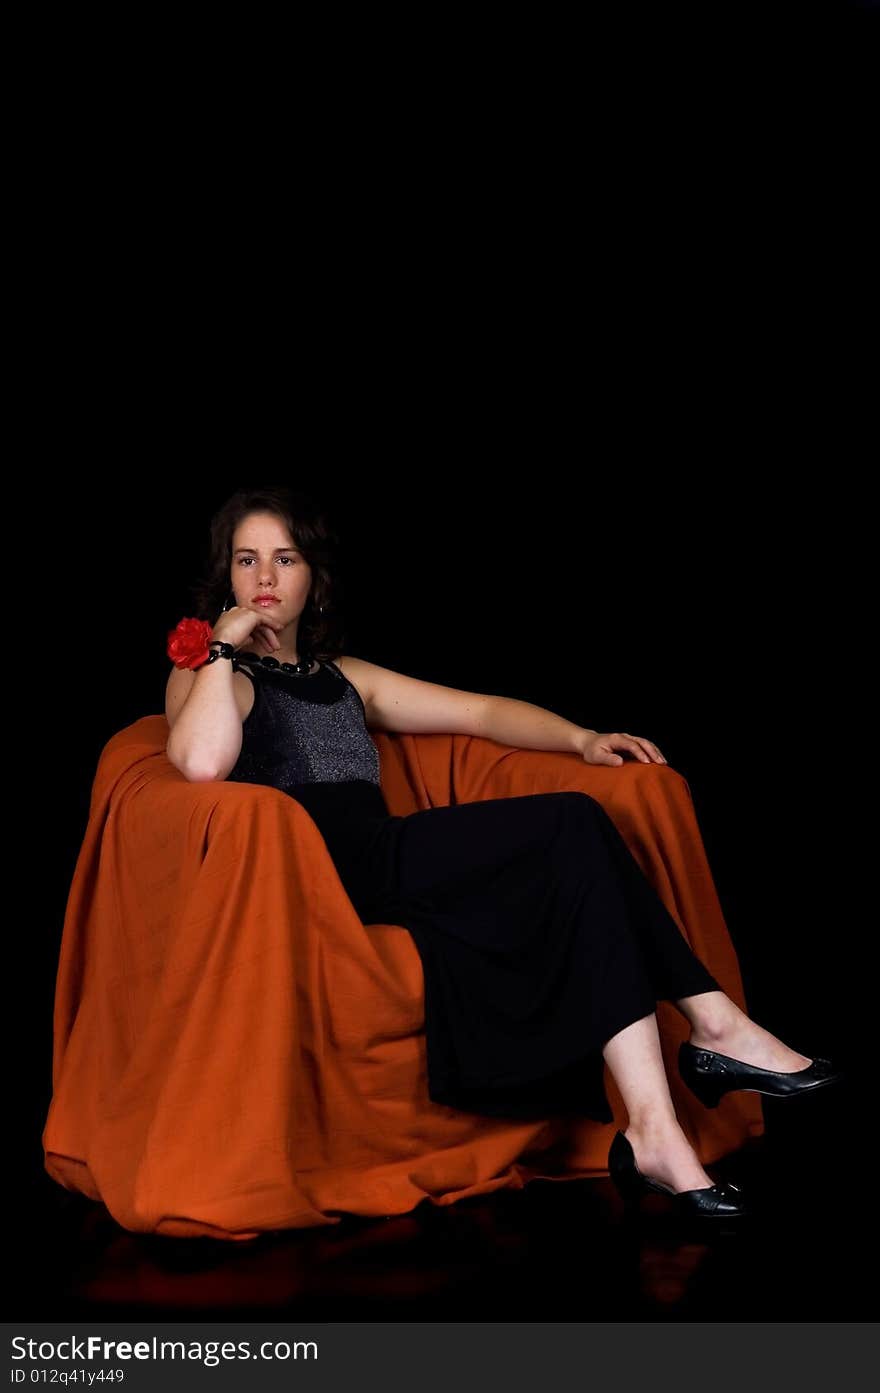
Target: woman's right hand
point(237, 625)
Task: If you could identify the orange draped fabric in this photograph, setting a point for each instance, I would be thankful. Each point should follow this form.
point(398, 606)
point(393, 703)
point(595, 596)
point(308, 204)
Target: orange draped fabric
point(235, 1052)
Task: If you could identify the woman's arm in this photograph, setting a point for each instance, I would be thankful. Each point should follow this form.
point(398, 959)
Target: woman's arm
point(407, 705)
point(513, 722)
point(395, 702)
point(205, 709)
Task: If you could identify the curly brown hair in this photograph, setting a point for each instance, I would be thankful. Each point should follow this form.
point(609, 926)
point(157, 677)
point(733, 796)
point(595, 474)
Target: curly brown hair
point(321, 633)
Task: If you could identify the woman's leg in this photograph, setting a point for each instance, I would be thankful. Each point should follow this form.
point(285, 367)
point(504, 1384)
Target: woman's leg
point(661, 1149)
point(717, 1023)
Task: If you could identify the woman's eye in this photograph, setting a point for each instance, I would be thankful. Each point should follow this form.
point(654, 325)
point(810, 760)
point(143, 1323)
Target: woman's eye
point(288, 560)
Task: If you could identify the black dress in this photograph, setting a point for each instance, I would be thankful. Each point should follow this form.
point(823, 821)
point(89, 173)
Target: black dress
point(539, 935)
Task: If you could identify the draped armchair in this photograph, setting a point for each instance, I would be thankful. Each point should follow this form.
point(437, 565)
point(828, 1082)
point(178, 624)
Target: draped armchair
point(235, 1052)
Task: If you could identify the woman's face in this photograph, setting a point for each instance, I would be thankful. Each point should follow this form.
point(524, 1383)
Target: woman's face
point(266, 562)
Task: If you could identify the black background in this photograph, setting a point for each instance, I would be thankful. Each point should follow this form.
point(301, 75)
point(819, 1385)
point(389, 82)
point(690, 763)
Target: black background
point(587, 398)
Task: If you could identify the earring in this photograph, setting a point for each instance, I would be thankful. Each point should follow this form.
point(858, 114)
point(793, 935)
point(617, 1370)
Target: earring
point(229, 603)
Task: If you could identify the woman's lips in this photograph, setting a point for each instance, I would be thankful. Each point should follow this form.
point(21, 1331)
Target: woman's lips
point(266, 600)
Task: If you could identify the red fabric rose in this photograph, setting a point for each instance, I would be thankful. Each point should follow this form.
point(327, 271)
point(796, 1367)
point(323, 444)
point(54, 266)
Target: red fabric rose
point(188, 643)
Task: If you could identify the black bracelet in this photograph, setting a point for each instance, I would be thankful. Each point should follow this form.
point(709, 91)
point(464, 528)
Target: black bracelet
point(223, 650)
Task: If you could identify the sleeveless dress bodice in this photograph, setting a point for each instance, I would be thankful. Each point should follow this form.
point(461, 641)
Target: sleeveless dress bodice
point(303, 729)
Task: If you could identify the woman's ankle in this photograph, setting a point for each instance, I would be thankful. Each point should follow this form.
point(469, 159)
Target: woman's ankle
point(663, 1152)
point(712, 1021)
point(652, 1126)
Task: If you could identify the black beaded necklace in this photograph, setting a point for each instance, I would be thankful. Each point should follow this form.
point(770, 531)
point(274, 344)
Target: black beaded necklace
point(301, 669)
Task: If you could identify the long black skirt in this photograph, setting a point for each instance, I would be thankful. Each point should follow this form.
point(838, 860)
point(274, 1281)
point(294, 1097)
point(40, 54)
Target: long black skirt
point(540, 938)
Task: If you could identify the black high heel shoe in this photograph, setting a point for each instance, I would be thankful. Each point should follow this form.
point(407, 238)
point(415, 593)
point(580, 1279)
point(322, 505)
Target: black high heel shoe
point(710, 1075)
point(721, 1201)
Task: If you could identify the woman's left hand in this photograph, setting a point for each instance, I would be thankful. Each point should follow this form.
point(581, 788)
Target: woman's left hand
point(597, 748)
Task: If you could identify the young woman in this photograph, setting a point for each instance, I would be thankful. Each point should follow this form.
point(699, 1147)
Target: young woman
point(544, 946)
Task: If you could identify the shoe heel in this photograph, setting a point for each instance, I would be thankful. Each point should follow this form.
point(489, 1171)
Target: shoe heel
point(628, 1188)
point(709, 1091)
point(630, 1185)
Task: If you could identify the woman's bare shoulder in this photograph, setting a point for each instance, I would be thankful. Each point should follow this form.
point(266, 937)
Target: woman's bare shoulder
point(180, 684)
point(359, 673)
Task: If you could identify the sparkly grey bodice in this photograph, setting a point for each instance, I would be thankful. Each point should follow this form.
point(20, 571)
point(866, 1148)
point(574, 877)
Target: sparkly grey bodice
point(303, 729)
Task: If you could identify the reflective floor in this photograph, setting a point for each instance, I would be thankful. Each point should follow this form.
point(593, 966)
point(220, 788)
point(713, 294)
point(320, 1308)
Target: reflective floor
point(552, 1251)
